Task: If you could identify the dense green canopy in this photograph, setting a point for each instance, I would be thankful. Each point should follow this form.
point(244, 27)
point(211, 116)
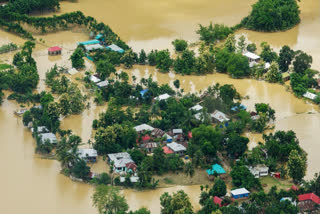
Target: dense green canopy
point(273, 15)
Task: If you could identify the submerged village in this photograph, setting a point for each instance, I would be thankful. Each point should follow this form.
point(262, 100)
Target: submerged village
point(152, 135)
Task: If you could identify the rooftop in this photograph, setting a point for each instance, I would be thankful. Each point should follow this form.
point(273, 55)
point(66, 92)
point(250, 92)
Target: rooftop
point(309, 196)
point(94, 47)
point(48, 136)
point(120, 159)
point(116, 48)
point(143, 127)
point(220, 116)
point(177, 131)
point(166, 150)
point(83, 153)
point(240, 191)
point(196, 108)
point(217, 200)
point(216, 168)
point(55, 48)
point(90, 42)
point(176, 147)
point(103, 84)
point(309, 95)
point(162, 97)
point(251, 55)
point(94, 79)
point(40, 129)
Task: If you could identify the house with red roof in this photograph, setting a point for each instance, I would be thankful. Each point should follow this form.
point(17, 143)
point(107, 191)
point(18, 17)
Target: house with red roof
point(308, 201)
point(54, 50)
point(217, 201)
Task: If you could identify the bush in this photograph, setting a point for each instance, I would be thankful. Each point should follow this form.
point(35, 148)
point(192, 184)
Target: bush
point(180, 45)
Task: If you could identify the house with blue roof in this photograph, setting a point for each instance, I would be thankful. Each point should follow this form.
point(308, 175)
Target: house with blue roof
point(90, 42)
point(143, 92)
point(100, 37)
point(216, 168)
point(240, 107)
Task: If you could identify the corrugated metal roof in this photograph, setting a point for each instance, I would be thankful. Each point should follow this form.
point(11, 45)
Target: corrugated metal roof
point(240, 191)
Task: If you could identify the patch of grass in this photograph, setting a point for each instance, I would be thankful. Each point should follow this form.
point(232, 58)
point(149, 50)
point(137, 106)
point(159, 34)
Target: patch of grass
point(5, 66)
point(268, 182)
point(168, 181)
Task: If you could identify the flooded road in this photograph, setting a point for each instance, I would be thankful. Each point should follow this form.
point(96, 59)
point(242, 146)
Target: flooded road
point(36, 184)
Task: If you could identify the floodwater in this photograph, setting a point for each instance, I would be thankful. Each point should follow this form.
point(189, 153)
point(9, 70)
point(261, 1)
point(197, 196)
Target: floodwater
point(37, 185)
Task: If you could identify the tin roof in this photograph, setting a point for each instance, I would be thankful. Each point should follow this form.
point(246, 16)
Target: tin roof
point(55, 48)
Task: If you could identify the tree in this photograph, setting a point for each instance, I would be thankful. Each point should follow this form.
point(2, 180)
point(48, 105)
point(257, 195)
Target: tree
point(180, 45)
point(273, 74)
point(142, 57)
point(265, 108)
point(267, 53)
point(219, 188)
point(273, 15)
point(178, 203)
point(228, 93)
point(189, 169)
point(302, 62)
point(64, 103)
point(213, 33)
point(163, 61)
point(238, 66)
point(108, 200)
point(242, 44)
point(252, 47)
point(242, 177)
point(77, 58)
point(286, 55)
point(104, 68)
point(236, 145)
point(297, 165)
point(128, 58)
point(152, 57)
point(114, 138)
point(221, 59)
point(186, 63)
point(176, 83)
point(81, 170)
point(230, 43)
point(27, 117)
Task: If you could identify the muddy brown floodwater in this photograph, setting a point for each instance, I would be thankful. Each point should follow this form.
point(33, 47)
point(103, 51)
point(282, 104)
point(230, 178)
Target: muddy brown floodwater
point(33, 185)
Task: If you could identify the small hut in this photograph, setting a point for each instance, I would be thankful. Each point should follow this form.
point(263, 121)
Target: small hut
point(54, 50)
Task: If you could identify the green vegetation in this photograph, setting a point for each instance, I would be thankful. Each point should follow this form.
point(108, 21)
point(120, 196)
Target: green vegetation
point(178, 202)
point(213, 33)
point(273, 15)
point(180, 45)
point(7, 48)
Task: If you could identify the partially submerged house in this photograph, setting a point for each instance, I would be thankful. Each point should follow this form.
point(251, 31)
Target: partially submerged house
point(219, 116)
point(89, 155)
point(285, 76)
point(177, 148)
point(289, 199)
point(259, 171)
point(120, 161)
point(48, 137)
point(252, 58)
point(72, 71)
point(308, 202)
point(56, 50)
point(40, 129)
point(93, 47)
point(90, 42)
point(216, 169)
point(240, 193)
point(115, 48)
point(310, 95)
